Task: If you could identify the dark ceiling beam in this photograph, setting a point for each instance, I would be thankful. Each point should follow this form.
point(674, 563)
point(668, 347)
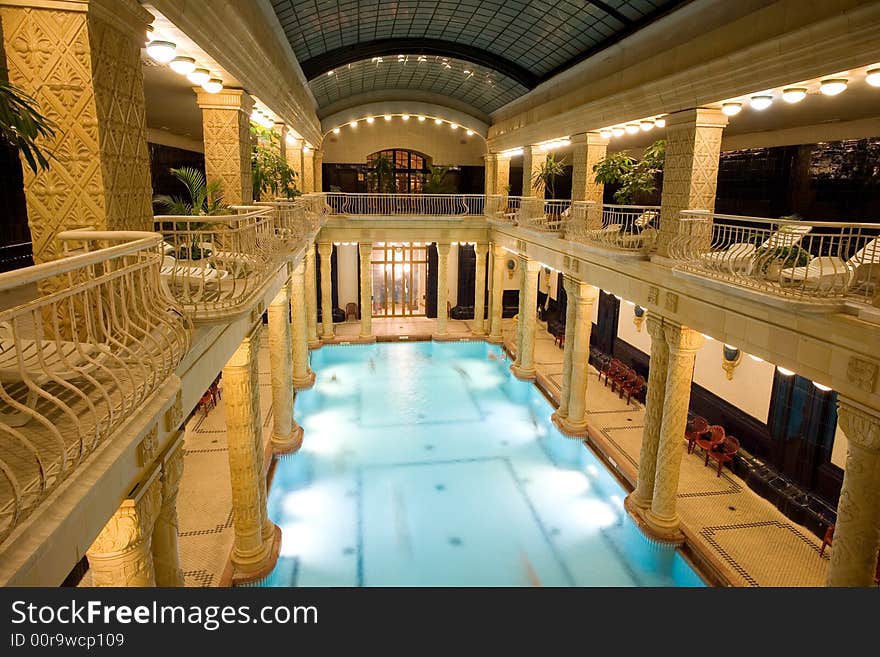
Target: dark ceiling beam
point(608, 9)
point(332, 59)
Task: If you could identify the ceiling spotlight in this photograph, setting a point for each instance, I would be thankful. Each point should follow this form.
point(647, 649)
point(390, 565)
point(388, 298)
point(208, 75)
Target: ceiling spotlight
point(405, 117)
point(631, 128)
point(821, 387)
point(290, 139)
point(731, 109)
point(199, 76)
point(454, 126)
point(617, 131)
point(161, 51)
point(605, 134)
point(150, 33)
point(784, 371)
point(370, 119)
point(646, 125)
point(833, 86)
point(794, 94)
point(353, 124)
point(306, 148)
point(330, 74)
point(213, 86)
point(760, 102)
point(421, 118)
point(438, 121)
point(470, 133)
point(757, 359)
point(422, 58)
point(873, 77)
point(387, 117)
point(660, 123)
point(467, 72)
point(336, 131)
point(183, 65)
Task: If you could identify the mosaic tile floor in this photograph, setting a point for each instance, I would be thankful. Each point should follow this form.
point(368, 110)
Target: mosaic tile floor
point(723, 518)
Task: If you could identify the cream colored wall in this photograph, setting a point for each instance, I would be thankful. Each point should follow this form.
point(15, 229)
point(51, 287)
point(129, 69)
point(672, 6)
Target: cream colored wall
point(346, 279)
point(626, 329)
point(838, 450)
point(440, 143)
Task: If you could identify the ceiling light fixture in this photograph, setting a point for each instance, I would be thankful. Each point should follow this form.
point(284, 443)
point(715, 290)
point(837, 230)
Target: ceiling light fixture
point(183, 65)
point(660, 123)
point(405, 117)
point(387, 117)
point(421, 118)
point(794, 95)
point(646, 125)
point(161, 51)
point(617, 131)
point(353, 124)
point(199, 76)
point(370, 119)
point(213, 86)
point(150, 33)
point(336, 131)
point(821, 387)
point(454, 126)
point(757, 359)
point(470, 133)
point(605, 133)
point(760, 103)
point(631, 128)
point(330, 74)
point(873, 77)
point(833, 86)
point(784, 371)
point(731, 109)
point(306, 148)
point(438, 121)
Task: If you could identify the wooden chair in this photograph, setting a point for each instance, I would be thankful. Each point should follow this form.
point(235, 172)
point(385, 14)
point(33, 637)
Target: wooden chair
point(633, 387)
point(206, 403)
point(723, 452)
point(620, 376)
point(696, 428)
point(714, 437)
point(351, 310)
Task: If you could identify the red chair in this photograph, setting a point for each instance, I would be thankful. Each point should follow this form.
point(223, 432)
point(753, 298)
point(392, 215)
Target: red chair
point(714, 437)
point(619, 376)
point(633, 387)
point(697, 427)
point(723, 452)
point(827, 540)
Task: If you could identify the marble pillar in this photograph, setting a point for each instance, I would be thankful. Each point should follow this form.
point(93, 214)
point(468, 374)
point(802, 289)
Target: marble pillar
point(302, 374)
point(365, 251)
point(308, 170)
point(441, 330)
point(524, 367)
point(561, 411)
point(166, 556)
point(317, 175)
point(479, 328)
point(311, 298)
point(583, 296)
point(587, 151)
point(286, 433)
point(533, 158)
point(325, 249)
point(495, 311)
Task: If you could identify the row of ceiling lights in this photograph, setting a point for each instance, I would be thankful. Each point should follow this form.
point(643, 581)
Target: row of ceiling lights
point(165, 52)
point(420, 59)
point(405, 117)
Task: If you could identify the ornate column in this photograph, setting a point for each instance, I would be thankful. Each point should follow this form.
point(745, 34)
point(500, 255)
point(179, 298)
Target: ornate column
point(325, 249)
point(308, 170)
point(690, 171)
point(302, 375)
point(81, 63)
point(520, 313)
point(280, 131)
point(365, 251)
point(254, 548)
point(857, 531)
point(440, 331)
point(480, 290)
point(502, 174)
point(683, 343)
point(583, 296)
point(286, 433)
point(588, 150)
point(294, 156)
point(495, 311)
point(561, 411)
point(311, 298)
point(166, 558)
point(317, 177)
point(227, 137)
point(122, 554)
point(490, 162)
point(533, 158)
point(524, 368)
point(642, 496)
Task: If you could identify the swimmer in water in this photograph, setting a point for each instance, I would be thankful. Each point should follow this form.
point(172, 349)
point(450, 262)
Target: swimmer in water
point(333, 378)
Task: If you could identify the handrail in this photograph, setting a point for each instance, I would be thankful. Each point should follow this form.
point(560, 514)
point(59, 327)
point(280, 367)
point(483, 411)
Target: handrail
point(628, 229)
point(782, 221)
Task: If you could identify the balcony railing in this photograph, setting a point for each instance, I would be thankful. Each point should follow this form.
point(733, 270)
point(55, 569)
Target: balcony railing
point(213, 265)
point(406, 205)
point(294, 220)
point(91, 339)
point(544, 215)
point(625, 228)
point(805, 260)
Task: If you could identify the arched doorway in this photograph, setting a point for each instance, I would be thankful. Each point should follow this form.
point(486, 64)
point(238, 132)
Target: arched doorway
point(397, 170)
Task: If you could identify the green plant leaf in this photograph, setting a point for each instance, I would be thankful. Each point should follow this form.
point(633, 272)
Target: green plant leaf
point(22, 125)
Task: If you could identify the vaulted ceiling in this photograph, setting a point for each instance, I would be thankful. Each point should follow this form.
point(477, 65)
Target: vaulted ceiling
point(482, 52)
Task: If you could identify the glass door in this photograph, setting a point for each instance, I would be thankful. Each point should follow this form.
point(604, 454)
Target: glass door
point(399, 279)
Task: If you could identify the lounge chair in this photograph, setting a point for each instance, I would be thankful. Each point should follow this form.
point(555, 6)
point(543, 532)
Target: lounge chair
point(832, 272)
point(180, 269)
point(740, 256)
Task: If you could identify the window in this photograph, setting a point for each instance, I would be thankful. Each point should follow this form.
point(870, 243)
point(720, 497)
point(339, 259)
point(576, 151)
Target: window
point(406, 174)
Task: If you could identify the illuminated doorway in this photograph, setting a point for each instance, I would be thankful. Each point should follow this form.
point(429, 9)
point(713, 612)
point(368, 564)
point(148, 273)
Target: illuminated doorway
point(399, 279)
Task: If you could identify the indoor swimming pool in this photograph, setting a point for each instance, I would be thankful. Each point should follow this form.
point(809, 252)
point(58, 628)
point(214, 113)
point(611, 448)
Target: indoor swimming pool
point(429, 464)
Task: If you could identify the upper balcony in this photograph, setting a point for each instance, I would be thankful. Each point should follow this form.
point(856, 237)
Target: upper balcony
point(86, 342)
point(417, 206)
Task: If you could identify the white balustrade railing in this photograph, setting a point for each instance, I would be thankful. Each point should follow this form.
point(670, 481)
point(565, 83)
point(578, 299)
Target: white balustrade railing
point(408, 205)
point(294, 220)
point(214, 264)
point(627, 228)
point(806, 260)
point(92, 337)
point(544, 215)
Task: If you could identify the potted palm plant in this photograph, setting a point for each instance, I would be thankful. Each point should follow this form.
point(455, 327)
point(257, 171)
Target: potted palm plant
point(545, 177)
point(636, 178)
point(205, 198)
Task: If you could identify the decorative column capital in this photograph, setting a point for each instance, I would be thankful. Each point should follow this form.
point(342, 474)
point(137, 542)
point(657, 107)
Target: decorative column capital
point(442, 249)
point(589, 139)
point(682, 339)
point(365, 246)
point(529, 265)
point(228, 99)
point(248, 349)
point(133, 522)
point(701, 117)
point(860, 426)
point(325, 249)
point(583, 293)
point(172, 466)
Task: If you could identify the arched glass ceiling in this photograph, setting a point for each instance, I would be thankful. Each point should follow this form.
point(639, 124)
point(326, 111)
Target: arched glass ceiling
point(526, 40)
point(480, 87)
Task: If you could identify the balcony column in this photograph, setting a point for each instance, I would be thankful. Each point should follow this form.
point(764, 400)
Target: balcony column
point(490, 164)
point(166, 557)
point(583, 296)
point(122, 554)
point(561, 411)
point(311, 298)
point(658, 369)
point(502, 175)
point(280, 131)
point(294, 156)
point(588, 150)
point(365, 250)
point(286, 433)
point(440, 330)
point(683, 344)
point(317, 177)
point(479, 328)
point(81, 63)
point(254, 549)
point(496, 309)
point(227, 137)
point(302, 375)
point(524, 367)
point(325, 249)
point(690, 171)
point(533, 158)
point(308, 170)
point(857, 531)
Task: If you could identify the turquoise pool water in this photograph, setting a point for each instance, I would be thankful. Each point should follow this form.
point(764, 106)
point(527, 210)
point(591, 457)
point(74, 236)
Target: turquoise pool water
point(429, 464)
